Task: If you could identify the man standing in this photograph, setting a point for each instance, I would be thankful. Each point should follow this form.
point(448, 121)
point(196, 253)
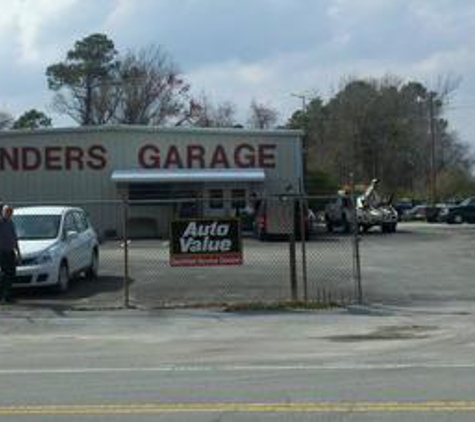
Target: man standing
point(9, 253)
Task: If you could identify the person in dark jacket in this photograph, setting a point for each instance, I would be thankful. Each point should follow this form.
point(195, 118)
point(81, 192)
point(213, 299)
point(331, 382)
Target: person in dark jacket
point(9, 253)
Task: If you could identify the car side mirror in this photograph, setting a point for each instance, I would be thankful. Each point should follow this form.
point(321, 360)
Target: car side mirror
point(71, 234)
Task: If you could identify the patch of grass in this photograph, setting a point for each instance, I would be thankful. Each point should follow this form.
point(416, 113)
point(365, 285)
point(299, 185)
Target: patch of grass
point(279, 306)
point(225, 307)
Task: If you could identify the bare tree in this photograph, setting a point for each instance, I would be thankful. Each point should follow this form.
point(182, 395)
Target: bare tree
point(190, 114)
point(152, 90)
point(225, 114)
point(202, 113)
point(262, 116)
point(106, 99)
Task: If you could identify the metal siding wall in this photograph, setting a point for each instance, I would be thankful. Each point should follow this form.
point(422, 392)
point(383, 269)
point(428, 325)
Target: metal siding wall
point(53, 185)
point(122, 147)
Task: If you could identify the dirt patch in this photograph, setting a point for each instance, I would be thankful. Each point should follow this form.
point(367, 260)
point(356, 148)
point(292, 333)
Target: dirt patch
point(398, 332)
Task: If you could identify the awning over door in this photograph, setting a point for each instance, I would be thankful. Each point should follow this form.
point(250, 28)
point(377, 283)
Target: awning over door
point(188, 176)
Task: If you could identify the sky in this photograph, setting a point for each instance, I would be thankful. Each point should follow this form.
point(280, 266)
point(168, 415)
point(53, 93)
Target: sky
point(262, 50)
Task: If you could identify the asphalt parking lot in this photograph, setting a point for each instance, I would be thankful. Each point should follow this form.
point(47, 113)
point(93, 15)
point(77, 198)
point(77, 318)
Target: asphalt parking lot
point(421, 263)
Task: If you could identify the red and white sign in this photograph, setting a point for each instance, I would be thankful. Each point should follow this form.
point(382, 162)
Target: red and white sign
point(206, 242)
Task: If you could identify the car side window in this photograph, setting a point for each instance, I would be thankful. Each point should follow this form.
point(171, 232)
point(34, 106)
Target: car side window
point(85, 220)
point(81, 222)
point(69, 223)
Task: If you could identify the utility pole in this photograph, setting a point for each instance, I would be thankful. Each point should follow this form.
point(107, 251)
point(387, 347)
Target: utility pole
point(303, 97)
point(433, 172)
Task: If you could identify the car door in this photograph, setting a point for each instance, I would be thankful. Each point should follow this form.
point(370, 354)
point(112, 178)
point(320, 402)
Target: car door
point(85, 239)
point(72, 242)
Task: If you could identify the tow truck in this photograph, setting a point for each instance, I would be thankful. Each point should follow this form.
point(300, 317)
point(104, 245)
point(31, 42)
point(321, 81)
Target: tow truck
point(370, 211)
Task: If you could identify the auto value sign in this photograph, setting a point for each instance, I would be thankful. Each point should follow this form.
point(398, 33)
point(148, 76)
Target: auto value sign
point(208, 242)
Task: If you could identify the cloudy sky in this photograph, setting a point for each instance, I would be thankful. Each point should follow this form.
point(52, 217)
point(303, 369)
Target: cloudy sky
point(251, 49)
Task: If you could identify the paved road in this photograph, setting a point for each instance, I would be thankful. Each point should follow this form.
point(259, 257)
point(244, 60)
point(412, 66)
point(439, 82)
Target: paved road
point(420, 263)
point(209, 366)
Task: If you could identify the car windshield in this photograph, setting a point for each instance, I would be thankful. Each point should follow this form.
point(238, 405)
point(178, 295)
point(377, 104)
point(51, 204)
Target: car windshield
point(32, 227)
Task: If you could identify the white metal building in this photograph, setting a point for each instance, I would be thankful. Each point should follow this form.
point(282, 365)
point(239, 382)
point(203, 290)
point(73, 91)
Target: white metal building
point(95, 166)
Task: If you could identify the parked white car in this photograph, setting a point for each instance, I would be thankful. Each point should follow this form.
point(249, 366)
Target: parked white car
point(56, 243)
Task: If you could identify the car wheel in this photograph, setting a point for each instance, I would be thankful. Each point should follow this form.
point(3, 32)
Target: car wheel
point(458, 219)
point(63, 278)
point(93, 270)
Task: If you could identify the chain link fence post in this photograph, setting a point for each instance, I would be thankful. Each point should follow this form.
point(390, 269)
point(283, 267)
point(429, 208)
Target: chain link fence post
point(303, 235)
point(125, 237)
point(292, 251)
point(356, 245)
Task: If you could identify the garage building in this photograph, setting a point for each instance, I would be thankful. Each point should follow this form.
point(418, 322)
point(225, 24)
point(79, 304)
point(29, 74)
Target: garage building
point(95, 167)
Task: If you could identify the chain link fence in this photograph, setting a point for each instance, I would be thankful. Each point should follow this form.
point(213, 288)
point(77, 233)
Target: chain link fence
point(263, 277)
point(331, 257)
point(279, 264)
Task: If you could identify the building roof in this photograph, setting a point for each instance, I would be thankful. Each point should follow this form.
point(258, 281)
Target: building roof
point(151, 129)
point(188, 175)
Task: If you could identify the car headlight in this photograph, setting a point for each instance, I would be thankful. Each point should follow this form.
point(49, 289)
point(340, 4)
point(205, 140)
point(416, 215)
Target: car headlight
point(43, 258)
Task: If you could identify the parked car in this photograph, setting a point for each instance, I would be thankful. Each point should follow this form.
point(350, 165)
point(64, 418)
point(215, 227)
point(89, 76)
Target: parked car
point(433, 213)
point(417, 213)
point(56, 243)
point(462, 213)
point(403, 206)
